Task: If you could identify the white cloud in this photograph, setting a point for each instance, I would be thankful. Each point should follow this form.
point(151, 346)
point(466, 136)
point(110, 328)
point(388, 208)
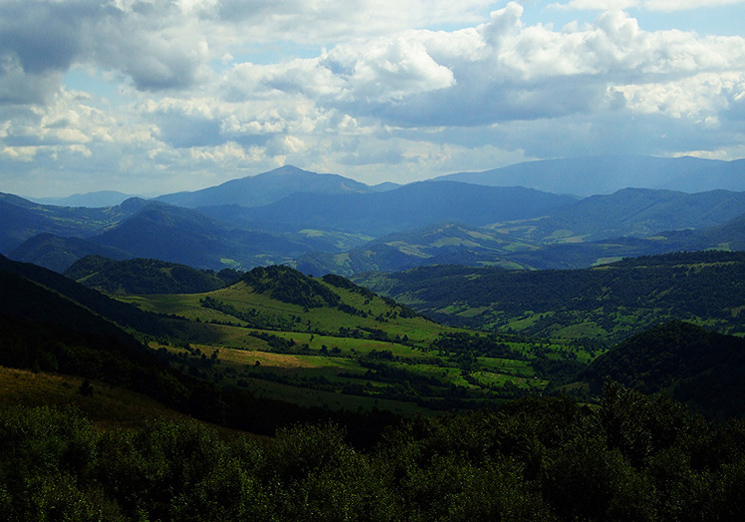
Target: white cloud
point(650, 5)
point(681, 5)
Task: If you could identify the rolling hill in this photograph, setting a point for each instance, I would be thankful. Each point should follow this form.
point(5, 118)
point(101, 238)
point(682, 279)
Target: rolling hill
point(188, 237)
point(608, 303)
point(180, 235)
point(146, 276)
point(696, 366)
point(444, 243)
point(727, 236)
point(58, 253)
point(21, 220)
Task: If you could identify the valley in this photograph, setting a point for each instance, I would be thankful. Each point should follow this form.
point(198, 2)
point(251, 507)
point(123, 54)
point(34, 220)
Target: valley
point(333, 337)
point(252, 351)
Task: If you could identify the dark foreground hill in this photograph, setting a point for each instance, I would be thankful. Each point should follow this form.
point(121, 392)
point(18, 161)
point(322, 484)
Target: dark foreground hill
point(696, 366)
point(48, 331)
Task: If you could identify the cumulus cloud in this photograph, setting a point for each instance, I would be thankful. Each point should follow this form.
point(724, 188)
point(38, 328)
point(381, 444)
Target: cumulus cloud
point(501, 71)
point(375, 88)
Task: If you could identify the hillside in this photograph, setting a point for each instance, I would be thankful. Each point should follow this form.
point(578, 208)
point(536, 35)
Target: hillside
point(727, 236)
point(267, 188)
point(21, 219)
point(444, 243)
point(59, 253)
point(607, 303)
point(696, 366)
point(631, 213)
point(146, 276)
point(188, 237)
point(326, 341)
point(50, 323)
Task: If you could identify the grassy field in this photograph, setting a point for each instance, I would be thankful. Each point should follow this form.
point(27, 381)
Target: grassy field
point(360, 353)
point(107, 405)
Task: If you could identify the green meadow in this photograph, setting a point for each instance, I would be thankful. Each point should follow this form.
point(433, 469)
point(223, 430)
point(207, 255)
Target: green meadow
point(332, 344)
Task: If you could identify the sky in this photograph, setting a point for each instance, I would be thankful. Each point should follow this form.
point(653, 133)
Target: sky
point(150, 97)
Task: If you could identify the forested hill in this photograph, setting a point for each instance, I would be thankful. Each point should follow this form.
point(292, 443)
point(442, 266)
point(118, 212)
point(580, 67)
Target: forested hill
point(147, 276)
point(696, 366)
point(123, 314)
point(49, 323)
point(608, 303)
point(43, 330)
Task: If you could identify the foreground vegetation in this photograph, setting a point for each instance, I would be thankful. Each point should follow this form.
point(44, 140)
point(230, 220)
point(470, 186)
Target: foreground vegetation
point(276, 352)
point(632, 458)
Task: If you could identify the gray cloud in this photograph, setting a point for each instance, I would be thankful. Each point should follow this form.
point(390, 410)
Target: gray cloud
point(39, 40)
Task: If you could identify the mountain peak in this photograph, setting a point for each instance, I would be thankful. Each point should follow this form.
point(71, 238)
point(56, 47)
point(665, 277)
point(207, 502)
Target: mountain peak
point(287, 169)
point(268, 187)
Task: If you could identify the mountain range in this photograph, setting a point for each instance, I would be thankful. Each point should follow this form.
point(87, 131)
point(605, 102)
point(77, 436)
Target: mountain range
point(414, 205)
point(325, 223)
point(269, 187)
point(104, 198)
point(594, 175)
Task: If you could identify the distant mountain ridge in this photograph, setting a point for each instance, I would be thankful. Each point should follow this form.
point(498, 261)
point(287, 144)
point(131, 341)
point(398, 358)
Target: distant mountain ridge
point(587, 176)
point(104, 198)
point(594, 230)
point(636, 213)
point(325, 222)
point(410, 206)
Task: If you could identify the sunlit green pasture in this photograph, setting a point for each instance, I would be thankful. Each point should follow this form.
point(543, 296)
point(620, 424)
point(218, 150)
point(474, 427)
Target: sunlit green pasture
point(353, 355)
